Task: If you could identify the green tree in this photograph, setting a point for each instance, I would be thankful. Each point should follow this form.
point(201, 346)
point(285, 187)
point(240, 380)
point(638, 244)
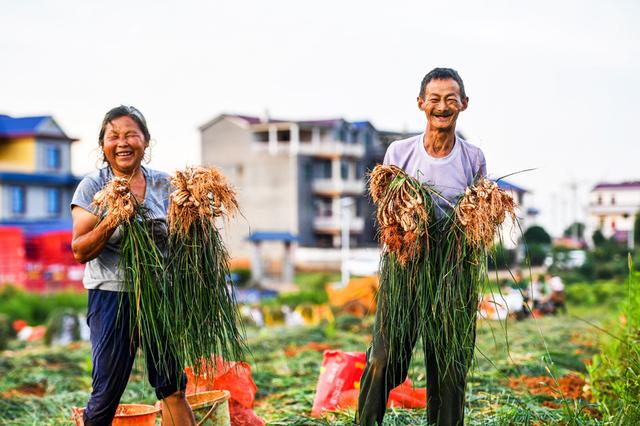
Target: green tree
point(537, 235)
point(598, 238)
point(576, 228)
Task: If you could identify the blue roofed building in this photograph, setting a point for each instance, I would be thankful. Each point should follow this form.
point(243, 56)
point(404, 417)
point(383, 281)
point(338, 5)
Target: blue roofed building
point(36, 183)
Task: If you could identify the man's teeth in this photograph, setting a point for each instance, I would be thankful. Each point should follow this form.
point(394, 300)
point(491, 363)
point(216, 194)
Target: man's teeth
point(123, 154)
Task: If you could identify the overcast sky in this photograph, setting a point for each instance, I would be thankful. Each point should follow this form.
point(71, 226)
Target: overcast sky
point(553, 84)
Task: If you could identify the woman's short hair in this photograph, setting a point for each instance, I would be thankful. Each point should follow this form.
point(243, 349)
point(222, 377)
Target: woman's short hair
point(124, 111)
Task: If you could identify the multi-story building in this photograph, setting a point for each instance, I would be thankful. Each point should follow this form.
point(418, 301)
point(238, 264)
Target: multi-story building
point(612, 209)
point(292, 175)
point(36, 184)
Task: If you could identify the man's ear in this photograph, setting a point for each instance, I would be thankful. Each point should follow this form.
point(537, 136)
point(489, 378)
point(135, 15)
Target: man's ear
point(421, 104)
point(465, 103)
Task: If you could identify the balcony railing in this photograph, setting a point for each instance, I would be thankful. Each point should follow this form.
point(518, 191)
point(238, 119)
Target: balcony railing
point(331, 149)
point(325, 149)
point(338, 186)
point(595, 208)
point(333, 224)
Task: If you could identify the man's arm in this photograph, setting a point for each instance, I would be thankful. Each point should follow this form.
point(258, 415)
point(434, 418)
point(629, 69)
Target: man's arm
point(482, 164)
point(388, 156)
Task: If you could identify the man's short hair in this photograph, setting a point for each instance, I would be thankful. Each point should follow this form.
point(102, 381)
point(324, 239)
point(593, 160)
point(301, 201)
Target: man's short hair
point(442, 74)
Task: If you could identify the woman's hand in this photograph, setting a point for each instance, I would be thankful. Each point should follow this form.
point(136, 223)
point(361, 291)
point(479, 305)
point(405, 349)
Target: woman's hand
point(90, 234)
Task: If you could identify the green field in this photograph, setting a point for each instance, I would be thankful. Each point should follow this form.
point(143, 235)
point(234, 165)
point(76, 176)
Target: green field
point(39, 385)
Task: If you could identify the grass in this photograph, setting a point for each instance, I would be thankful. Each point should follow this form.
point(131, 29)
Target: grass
point(35, 308)
point(286, 382)
point(616, 370)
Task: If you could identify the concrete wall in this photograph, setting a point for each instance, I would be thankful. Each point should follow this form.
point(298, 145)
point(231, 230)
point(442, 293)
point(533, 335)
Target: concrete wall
point(266, 184)
point(18, 155)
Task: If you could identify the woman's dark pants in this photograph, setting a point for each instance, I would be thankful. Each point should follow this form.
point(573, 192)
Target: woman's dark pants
point(113, 353)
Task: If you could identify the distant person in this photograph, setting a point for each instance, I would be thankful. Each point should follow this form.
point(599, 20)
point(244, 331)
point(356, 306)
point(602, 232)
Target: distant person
point(522, 286)
point(513, 300)
point(558, 296)
point(538, 292)
point(447, 162)
point(123, 139)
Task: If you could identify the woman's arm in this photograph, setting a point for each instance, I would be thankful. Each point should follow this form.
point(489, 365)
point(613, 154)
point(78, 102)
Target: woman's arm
point(89, 236)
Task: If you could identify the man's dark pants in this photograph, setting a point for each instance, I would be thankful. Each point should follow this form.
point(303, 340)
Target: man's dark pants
point(445, 390)
point(113, 353)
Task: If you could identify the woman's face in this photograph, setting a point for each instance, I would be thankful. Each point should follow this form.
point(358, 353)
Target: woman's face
point(123, 145)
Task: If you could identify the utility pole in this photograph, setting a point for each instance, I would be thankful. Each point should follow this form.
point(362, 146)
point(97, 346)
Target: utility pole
point(345, 216)
point(574, 189)
point(630, 239)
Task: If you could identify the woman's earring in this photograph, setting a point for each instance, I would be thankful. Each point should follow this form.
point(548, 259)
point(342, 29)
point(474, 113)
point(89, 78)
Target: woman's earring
point(147, 156)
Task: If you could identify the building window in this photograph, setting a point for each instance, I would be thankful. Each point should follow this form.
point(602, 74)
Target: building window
point(324, 241)
point(599, 200)
point(261, 136)
point(342, 134)
point(344, 169)
point(284, 135)
point(354, 136)
point(613, 200)
point(54, 201)
point(323, 207)
point(323, 169)
point(308, 171)
point(368, 139)
point(54, 157)
point(305, 135)
point(601, 222)
point(18, 200)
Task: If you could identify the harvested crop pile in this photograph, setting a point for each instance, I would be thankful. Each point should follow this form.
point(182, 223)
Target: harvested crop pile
point(434, 265)
point(182, 309)
point(482, 210)
point(33, 389)
point(570, 386)
point(292, 350)
point(403, 206)
point(198, 297)
point(142, 265)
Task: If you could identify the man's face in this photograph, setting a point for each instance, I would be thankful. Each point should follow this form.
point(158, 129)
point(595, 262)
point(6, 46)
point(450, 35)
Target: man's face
point(441, 103)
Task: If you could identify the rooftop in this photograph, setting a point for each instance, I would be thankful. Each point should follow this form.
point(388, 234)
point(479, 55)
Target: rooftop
point(329, 122)
point(508, 186)
point(42, 125)
point(618, 185)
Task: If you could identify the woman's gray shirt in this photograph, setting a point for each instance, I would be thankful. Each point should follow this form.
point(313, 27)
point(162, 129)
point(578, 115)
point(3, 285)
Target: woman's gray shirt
point(103, 272)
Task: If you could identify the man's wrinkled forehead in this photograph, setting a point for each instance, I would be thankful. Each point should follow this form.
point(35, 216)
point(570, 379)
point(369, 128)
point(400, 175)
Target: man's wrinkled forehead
point(442, 87)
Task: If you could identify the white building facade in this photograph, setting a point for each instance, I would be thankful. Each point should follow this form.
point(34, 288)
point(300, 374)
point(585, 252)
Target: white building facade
point(612, 209)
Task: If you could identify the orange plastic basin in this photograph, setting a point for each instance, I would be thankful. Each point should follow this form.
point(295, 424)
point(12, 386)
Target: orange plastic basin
point(126, 415)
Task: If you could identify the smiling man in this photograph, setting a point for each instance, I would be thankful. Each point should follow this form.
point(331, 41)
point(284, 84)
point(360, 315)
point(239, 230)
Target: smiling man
point(446, 162)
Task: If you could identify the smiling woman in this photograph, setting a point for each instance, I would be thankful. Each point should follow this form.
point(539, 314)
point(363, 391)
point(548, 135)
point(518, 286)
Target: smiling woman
point(100, 239)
